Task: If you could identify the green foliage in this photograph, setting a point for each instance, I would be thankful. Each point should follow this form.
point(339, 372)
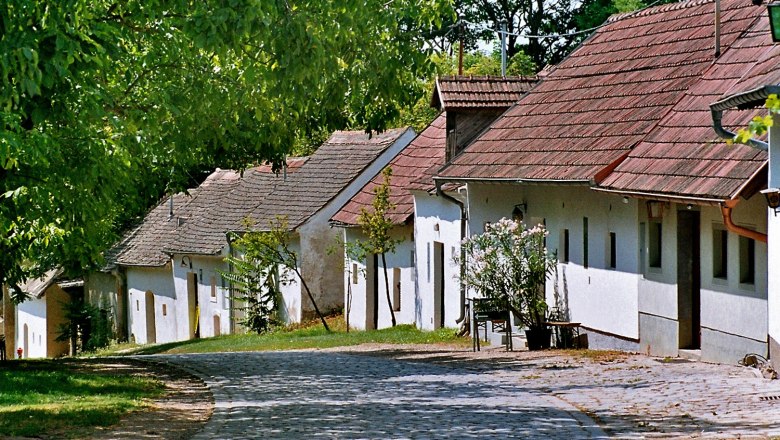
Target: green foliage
point(254, 289)
point(86, 324)
point(55, 399)
point(510, 264)
point(105, 104)
point(759, 125)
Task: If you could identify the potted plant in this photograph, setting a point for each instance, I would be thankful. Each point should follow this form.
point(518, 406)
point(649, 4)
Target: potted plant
point(509, 263)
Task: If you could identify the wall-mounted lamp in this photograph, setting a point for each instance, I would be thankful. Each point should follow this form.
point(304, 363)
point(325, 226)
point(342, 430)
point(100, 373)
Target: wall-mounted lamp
point(518, 213)
point(186, 262)
point(774, 20)
point(689, 207)
point(625, 200)
point(772, 198)
point(436, 227)
point(655, 210)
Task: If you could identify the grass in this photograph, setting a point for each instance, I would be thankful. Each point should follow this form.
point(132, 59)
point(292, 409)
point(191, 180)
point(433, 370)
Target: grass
point(301, 336)
point(65, 399)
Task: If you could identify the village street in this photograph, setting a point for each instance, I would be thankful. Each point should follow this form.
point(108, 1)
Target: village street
point(385, 392)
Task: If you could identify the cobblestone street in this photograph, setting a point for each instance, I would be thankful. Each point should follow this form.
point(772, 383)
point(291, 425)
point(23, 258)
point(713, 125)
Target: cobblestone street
point(410, 392)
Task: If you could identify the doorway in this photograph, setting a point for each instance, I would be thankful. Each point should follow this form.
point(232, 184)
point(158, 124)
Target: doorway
point(689, 279)
point(217, 326)
point(438, 284)
point(192, 303)
point(151, 325)
point(26, 342)
point(372, 292)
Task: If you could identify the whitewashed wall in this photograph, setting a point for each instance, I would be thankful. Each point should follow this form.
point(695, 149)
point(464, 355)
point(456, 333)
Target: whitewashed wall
point(773, 251)
point(436, 220)
point(601, 298)
point(355, 280)
point(33, 314)
point(158, 281)
point(207, 269)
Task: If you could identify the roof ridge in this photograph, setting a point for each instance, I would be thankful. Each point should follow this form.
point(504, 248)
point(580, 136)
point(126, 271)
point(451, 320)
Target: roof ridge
point(657, 9)
point(512, 78)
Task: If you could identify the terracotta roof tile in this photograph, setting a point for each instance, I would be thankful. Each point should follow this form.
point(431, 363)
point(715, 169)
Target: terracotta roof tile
point(605, 97)
point(471, 92)
point(425, 151)
point(328, 171)
point(683, 156)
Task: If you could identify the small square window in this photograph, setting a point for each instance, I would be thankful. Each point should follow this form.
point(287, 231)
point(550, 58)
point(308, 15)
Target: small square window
point(354, 273)
point(165, 309)
point(655, 241)
point(612, 262)
point(563, 252)
point(747, 260)
point(585, 242)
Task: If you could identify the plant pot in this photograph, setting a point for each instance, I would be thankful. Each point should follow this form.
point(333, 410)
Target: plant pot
point(538, 338)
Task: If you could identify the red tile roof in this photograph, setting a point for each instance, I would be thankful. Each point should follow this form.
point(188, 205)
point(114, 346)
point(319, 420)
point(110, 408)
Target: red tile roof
point(425, 151)
point(683, 156)
point(472, 92)
point(605, 97)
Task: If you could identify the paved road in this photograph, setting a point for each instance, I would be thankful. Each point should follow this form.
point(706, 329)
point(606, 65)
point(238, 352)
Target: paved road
point(338, 395)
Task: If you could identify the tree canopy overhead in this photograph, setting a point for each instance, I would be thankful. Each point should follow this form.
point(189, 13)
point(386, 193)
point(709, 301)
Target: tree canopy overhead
point(99, 99)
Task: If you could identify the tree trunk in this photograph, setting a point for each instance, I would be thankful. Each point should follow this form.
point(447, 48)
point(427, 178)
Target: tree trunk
point(314, 303)
point(348, 305)
point(387, 290)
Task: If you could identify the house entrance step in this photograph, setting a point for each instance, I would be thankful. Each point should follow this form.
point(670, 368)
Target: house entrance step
point(694, 355)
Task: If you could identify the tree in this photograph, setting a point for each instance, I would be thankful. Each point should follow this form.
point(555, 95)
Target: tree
point(270, 255)
point(253, 287)
point(510, 264)
point(377, 228)
point(99, 98)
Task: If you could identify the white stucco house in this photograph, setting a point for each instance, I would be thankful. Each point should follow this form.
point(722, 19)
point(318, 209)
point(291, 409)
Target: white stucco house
point(751, 91)
point(309, 198)
point(659, 231)
point(35, 324)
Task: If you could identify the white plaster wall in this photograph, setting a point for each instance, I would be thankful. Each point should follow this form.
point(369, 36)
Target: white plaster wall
point(432, 213)
point(727, 305)
point(599, 297)
point(205, 267)
point(158, 281)
point(292, 289)
point(658, 286)
point(401, 259)
point(322, 266)
point(773, 251)
point(33, 313)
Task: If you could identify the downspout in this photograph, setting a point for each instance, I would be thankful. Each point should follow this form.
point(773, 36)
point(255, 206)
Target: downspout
point(462, 206)
point(717, 125)
point(726, 209)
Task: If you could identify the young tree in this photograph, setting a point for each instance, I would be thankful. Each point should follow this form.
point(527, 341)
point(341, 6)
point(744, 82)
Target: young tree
point(254, 287)
point(377, 227)
point(270, 253)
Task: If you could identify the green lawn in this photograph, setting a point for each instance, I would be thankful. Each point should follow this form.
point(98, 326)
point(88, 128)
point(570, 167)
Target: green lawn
point(66, 398)
point(312, 335)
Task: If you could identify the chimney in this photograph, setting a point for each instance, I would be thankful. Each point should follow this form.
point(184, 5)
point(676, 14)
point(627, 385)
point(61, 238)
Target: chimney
point(170, 207)
point(717, 29)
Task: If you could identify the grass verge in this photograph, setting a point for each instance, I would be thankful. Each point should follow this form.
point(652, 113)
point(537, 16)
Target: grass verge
point(66, 399)
point(301, 336)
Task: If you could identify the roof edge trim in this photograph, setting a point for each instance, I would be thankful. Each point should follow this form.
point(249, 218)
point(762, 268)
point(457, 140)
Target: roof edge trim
point(664, 197)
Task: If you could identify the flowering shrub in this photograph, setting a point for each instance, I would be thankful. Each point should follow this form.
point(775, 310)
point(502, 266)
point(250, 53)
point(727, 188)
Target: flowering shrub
point(510, 264)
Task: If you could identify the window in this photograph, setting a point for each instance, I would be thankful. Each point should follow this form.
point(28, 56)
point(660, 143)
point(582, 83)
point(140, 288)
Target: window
point(354, 273)
point(655, 244)
point(585, 242)
point(165, 309)
point(720, 254)
point(213, 288)
point(563, 255)
point(428, 249)
point(642, 247)
point(747, 260)
point(612, 261)
point(137, 306)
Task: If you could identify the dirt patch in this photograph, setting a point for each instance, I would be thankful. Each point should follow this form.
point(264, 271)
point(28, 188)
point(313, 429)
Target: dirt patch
point(181, 412)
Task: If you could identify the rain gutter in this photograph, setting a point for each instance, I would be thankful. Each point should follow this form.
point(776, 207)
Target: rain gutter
point(749, 99)
point(665, 198)
point(463, 217)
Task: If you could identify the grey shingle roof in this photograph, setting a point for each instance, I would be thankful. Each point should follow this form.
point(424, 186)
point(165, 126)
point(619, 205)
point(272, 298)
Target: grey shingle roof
point(144, 245)
point(329, 170)
point(205, 232)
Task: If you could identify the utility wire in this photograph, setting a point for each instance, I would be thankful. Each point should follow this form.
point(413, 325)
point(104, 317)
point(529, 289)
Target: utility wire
point(570, 34)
